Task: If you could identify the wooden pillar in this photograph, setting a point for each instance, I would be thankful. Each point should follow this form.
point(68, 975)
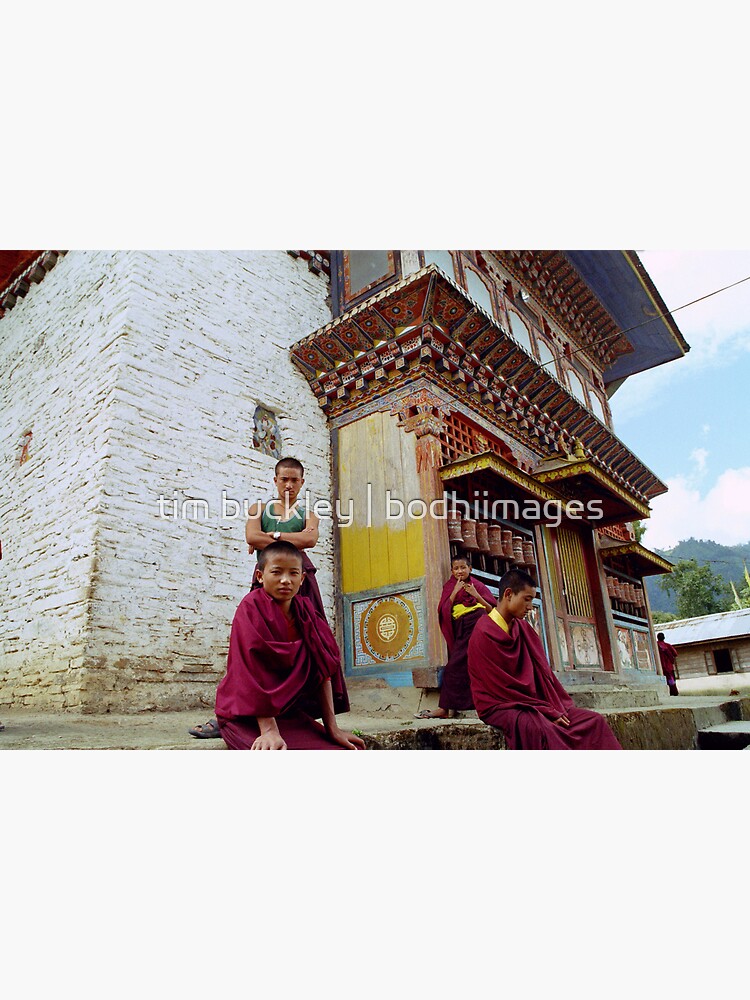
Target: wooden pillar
point(423, 414)
point(603, 608)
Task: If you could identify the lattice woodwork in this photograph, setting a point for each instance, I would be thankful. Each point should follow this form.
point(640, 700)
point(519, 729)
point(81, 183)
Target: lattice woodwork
point(572, 564)
point(460, 438)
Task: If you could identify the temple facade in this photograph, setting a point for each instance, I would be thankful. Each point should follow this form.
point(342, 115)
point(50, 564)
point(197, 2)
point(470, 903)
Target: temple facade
point(441, 402)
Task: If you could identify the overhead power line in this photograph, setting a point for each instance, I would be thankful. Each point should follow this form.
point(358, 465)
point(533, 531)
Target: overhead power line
point(651, 319)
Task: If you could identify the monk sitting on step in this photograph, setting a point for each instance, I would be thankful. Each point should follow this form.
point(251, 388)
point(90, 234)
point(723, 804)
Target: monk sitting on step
point(514, 687)
point(283, 668)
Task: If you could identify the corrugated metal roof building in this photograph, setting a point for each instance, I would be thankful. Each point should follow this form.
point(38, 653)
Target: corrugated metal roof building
point(711, 644)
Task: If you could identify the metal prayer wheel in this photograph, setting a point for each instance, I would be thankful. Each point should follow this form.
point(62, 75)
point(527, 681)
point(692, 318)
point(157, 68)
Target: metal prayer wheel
point(507, 536)
point(454, 528)
point(483, 541)
point(517, 549)
point(496, 540)
point(611, 586)
point(528, 553)
point(469, 534)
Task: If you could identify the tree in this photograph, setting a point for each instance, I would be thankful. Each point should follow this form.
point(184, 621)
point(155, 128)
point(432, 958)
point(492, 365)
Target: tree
point(742, 600)
point(662, 617)
point(639, 529)
point(699, 591)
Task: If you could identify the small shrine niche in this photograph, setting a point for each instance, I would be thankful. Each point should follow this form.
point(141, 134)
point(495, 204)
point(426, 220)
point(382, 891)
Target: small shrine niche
point(25, 448)
point(266, 433)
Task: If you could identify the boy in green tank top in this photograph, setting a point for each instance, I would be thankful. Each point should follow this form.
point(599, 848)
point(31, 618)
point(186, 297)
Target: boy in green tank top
point(284, 518)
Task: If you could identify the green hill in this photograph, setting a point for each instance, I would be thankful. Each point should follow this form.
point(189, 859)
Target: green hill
point(725, 560)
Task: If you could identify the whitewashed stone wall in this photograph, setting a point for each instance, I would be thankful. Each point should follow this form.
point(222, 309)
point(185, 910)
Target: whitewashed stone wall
point(58, 366)
point(167, 356)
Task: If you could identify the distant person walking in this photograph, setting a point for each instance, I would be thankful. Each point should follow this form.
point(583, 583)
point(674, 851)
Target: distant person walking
point(668, 657)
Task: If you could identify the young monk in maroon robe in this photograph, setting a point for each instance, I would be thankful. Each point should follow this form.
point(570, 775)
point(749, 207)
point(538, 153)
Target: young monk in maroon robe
point(284, 667)
point(463, 602)
point(514, 686)
point(282, 519)
point(668, 657)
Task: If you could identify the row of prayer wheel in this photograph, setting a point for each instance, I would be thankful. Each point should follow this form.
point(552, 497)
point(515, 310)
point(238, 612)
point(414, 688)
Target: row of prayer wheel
point(491, 539)
point(623, 590)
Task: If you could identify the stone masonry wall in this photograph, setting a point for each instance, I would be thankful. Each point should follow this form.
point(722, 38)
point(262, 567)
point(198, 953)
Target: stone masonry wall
point(204, 339)
point(58, 364)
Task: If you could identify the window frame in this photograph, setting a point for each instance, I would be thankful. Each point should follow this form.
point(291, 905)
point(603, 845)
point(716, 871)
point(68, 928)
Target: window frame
point(341, 297)
point(454, 276)
point(509, 309)
point(466, 265)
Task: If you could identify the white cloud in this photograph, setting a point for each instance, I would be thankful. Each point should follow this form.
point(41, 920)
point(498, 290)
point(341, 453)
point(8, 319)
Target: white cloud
point(723, 514)
point(684, 275)
point(699, 456)
point(717, 329)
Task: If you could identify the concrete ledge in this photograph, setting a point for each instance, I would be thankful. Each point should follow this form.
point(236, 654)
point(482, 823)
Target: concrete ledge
point(601, 698)
point(726, 736)
point(446, 736)
point(672, 726)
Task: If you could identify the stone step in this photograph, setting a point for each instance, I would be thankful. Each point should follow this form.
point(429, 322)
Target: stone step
point(438, 735)
point(600, 698)
point(733, 735)
point(669, 726)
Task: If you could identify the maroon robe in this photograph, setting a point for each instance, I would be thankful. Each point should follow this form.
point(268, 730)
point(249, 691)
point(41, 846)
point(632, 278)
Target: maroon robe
point(272, 676)
point(455, 690)
point(515, 689)
point(445, 607)
point(667, 655)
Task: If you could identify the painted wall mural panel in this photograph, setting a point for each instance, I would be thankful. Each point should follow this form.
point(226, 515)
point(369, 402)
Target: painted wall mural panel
point(625, 648)
point(563, 642)
point(642, 650)
point(388, 629)
point(585, 645)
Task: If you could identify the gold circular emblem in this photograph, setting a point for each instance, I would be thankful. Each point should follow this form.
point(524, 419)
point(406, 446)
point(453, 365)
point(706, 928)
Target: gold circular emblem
point(387, 627)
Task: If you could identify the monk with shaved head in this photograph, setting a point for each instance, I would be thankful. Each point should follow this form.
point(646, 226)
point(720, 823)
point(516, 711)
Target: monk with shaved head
point(514, 687)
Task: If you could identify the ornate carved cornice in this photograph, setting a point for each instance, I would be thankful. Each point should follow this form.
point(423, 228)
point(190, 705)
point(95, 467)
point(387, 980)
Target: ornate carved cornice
point(19, 270)
point(318, 261)
point(494, 463)
point(583, 476)
point(647, 562)
point(425, 326)
point(556, 286)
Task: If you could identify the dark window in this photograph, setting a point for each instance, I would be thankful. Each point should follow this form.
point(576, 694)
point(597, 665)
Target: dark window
point(723, 661)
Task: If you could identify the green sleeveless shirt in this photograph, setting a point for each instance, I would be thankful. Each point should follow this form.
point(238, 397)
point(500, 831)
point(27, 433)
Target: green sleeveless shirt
point(269, 522)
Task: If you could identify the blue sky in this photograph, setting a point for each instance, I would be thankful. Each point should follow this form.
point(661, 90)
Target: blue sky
point(689, 420)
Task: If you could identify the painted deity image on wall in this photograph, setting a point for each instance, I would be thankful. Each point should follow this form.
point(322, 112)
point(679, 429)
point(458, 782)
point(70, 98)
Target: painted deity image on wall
point(266, 434)
point(25, 446)
point(625, 648)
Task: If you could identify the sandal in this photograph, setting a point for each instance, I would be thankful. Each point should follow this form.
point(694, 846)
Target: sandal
point(207, 731)
point(427, 714)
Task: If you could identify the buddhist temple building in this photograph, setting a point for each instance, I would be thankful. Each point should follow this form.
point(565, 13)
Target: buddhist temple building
point(442, 402)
